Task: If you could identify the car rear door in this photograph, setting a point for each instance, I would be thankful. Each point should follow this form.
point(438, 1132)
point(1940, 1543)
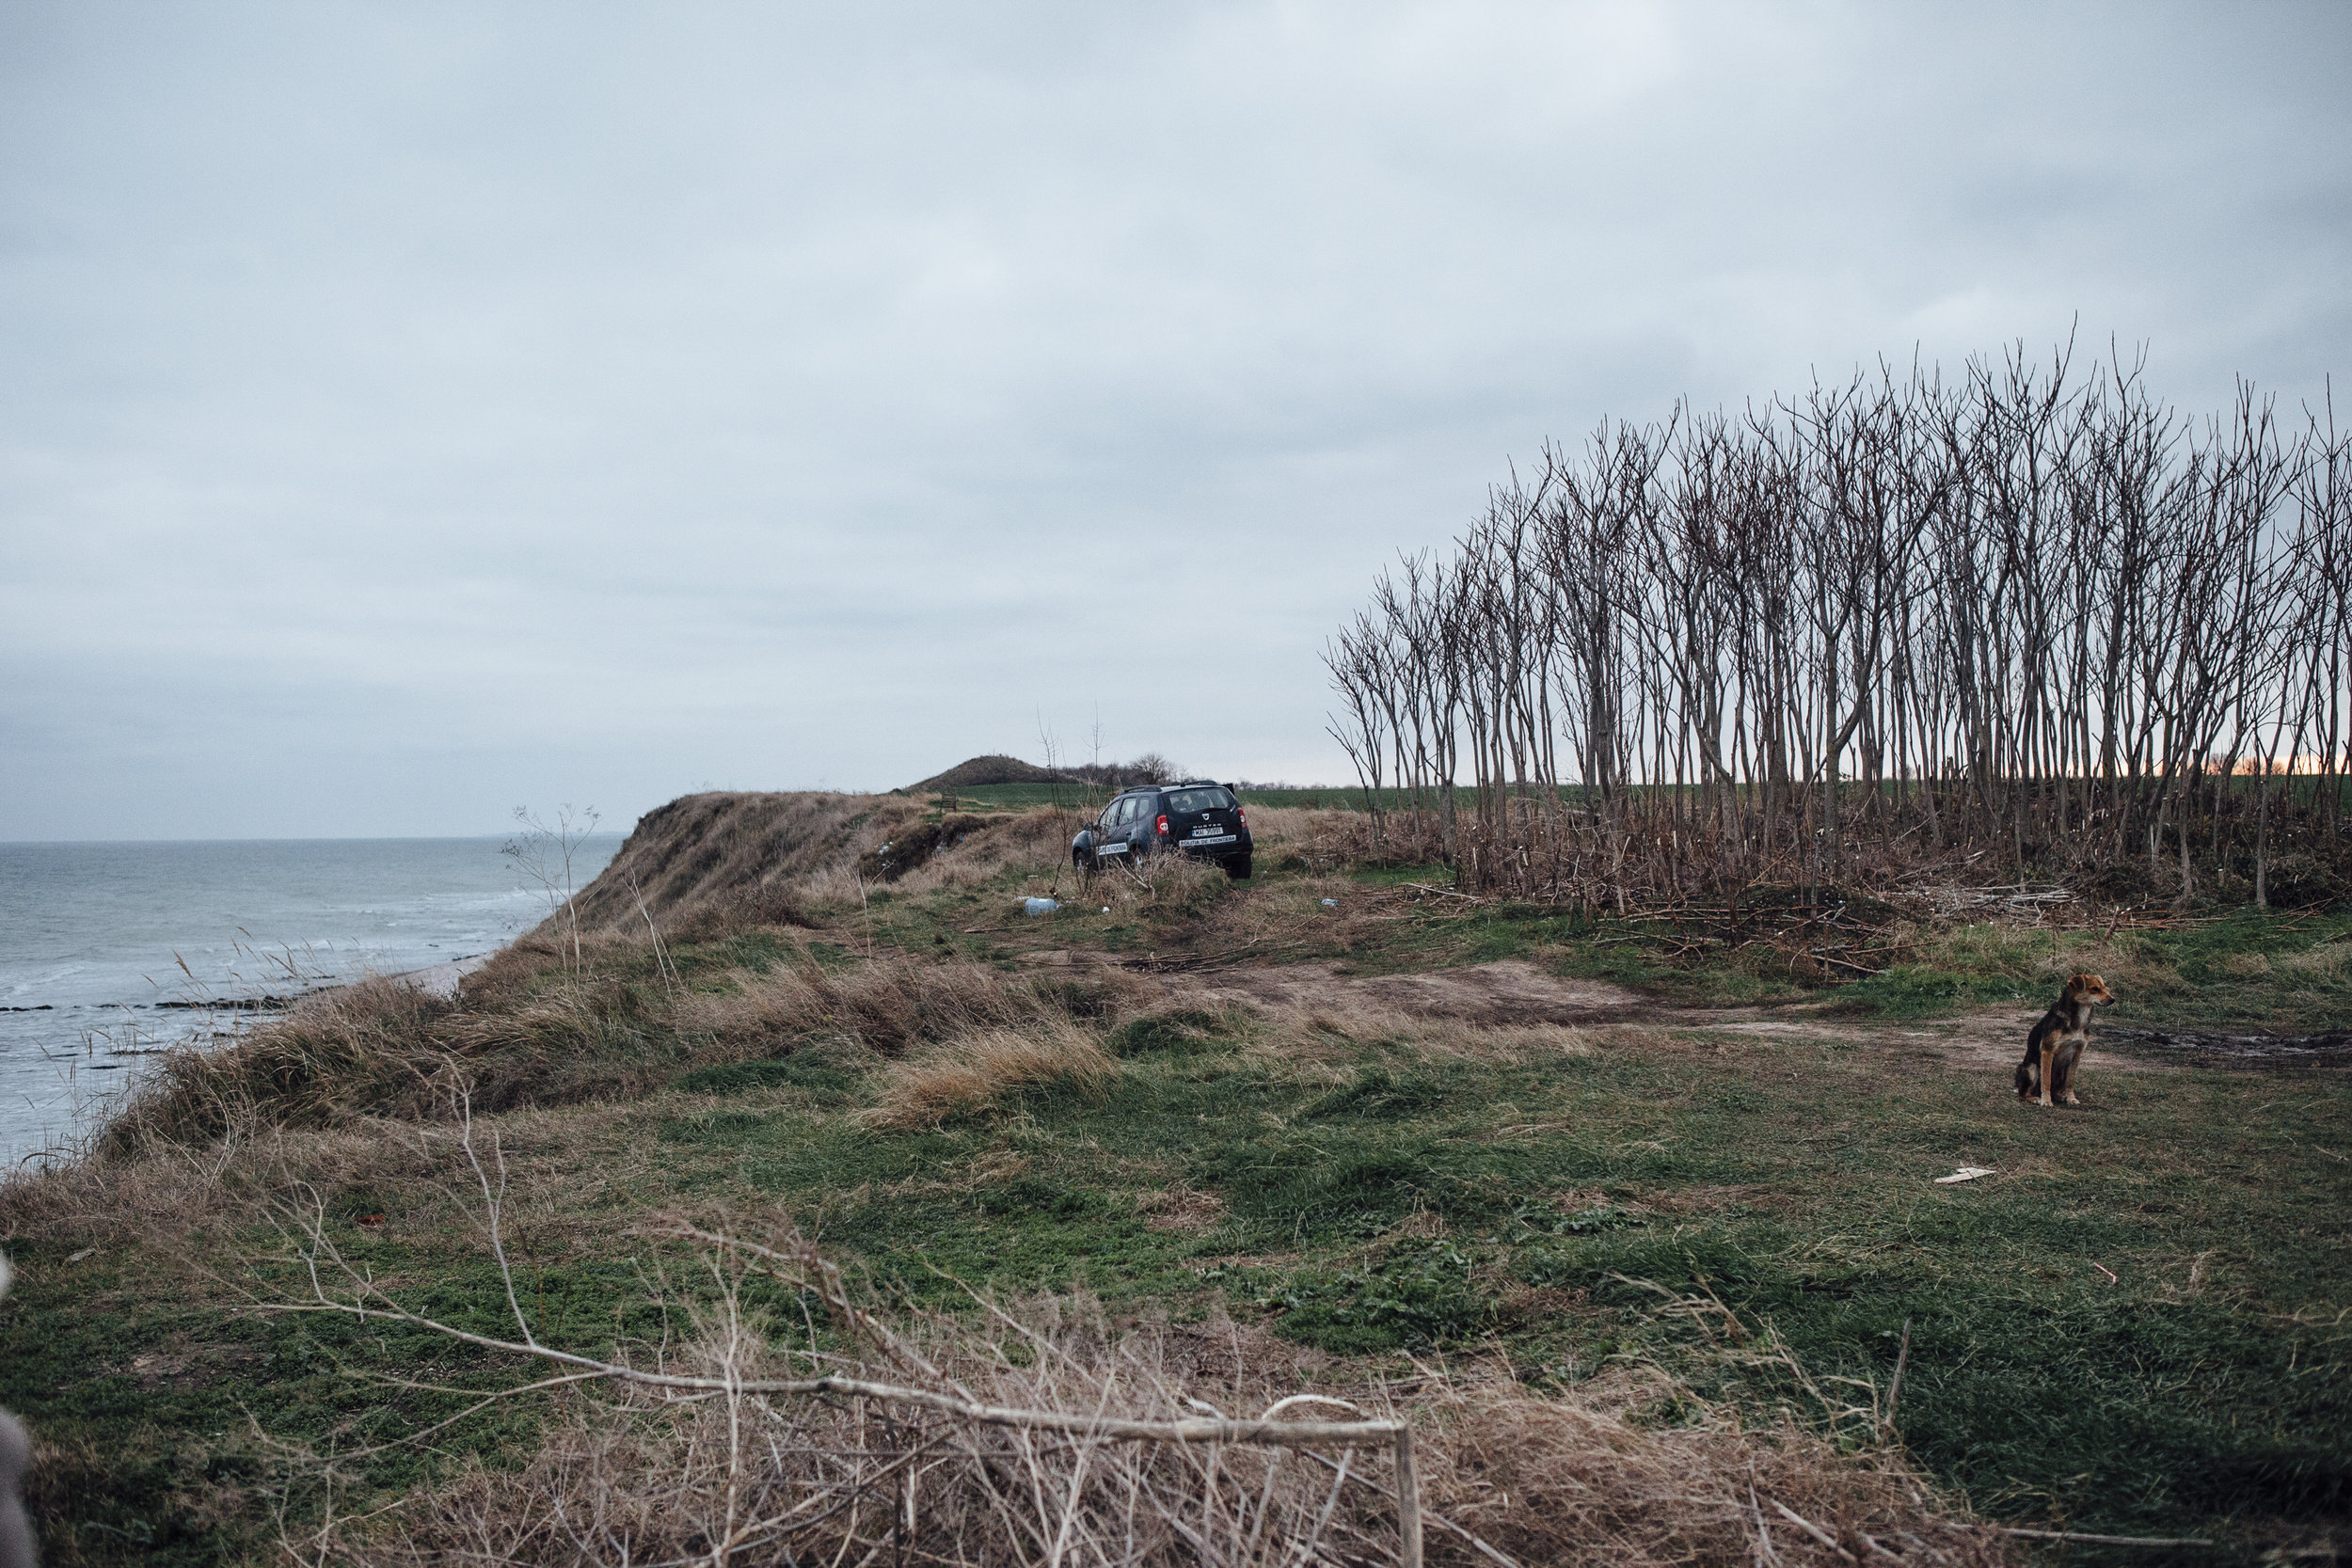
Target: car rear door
point(1203, 818)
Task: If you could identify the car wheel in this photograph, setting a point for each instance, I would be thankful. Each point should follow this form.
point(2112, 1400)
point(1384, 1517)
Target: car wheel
point(1238, 867)
point(1082, 863)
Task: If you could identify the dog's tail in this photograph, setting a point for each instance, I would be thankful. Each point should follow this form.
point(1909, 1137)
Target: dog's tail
point(2027, 1086)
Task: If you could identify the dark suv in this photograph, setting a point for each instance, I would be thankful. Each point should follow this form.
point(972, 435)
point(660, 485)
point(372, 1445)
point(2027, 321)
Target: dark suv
point(1199, 817)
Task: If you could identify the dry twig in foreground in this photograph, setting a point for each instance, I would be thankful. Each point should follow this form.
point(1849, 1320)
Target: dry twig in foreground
point(1041, 1437)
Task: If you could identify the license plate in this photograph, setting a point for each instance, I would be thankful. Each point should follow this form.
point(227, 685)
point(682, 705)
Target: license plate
point(1112, 850)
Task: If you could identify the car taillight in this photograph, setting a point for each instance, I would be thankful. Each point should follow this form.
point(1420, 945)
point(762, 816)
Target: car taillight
point(1162, 825)
point(1241, 815)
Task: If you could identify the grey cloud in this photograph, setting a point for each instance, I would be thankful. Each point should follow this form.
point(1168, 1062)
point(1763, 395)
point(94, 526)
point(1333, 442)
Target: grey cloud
point(464, 404)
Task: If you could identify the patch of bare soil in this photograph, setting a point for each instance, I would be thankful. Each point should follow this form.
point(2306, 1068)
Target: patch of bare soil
point(179, 1362)
point(1181, 1209)
point(1990, 1040)
point(2332, 1049)
point(1503, 995)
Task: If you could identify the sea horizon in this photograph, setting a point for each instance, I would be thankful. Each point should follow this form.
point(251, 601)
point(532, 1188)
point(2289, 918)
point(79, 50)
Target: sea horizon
point(288, 838)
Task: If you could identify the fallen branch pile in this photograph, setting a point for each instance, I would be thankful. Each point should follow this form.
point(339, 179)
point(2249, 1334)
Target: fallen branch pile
point(1043, 1436)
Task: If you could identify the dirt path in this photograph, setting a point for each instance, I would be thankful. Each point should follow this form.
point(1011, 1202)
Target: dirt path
point(1511, 991)
point(1515, 992)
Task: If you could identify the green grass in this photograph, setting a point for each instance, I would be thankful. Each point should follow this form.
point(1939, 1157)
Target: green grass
point(1687, 1197)
point(2242, 970)
point(2214, 1377)
point(151, 1392)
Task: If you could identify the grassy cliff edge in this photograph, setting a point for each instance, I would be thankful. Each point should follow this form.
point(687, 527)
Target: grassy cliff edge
point(1554, 1187)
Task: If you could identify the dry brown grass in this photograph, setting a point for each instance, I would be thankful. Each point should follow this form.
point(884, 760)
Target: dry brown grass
point(712, 861)
point(331, 1053)
point(711, 864)
point(1036, 841)
point(721, 856)
point(385, 1048)
point(153, 1191)
point(891, 1004)
point(179, 1199)
point(1326, 840)
point(1179, 1208)
point(1184, 884)
point(1271, 915)
point(1628, 1468)
point(1335, 1028)
point(979, 1070)
point(513, 971)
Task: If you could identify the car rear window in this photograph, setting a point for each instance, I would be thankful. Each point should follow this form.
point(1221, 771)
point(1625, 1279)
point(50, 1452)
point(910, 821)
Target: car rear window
point(1199, 800)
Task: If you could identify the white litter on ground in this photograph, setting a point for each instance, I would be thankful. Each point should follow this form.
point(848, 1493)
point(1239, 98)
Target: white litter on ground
point(1965, 1173)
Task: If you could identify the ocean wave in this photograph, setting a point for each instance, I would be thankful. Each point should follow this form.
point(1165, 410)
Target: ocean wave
point(11, 987)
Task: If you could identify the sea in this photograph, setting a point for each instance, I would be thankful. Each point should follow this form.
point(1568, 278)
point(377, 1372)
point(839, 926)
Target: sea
point(112, 954)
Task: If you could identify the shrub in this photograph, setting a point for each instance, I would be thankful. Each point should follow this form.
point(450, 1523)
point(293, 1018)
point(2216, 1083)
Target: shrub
point(2295, 880)
point(334, 1054)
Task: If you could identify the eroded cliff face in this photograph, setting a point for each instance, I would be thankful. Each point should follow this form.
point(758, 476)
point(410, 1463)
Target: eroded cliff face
point(737, 853)
point(735, 860)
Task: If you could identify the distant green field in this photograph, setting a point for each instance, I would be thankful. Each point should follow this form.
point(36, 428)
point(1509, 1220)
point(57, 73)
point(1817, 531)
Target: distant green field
point(1018, 795)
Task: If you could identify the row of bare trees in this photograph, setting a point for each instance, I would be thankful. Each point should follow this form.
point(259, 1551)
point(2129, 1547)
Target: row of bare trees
point(2026, 619)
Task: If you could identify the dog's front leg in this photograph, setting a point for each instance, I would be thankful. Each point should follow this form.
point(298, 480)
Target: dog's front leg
point(2074, 1066)
point(2049, 1069)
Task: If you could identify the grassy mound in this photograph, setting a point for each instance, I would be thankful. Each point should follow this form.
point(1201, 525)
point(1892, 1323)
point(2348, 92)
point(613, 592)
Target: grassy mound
point(977, 771)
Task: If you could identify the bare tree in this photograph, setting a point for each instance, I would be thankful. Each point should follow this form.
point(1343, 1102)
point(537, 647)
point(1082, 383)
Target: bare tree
point(2029, 617)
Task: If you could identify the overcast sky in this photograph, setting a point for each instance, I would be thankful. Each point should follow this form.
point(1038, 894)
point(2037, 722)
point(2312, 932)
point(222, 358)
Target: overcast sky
point(408, 412)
